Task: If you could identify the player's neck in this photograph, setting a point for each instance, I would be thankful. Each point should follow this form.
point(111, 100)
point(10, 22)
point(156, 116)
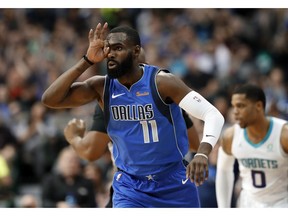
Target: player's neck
point(258, 131)
point(132, 77)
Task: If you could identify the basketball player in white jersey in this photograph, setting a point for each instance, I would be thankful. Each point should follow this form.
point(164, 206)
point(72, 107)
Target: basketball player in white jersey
point(260, 144)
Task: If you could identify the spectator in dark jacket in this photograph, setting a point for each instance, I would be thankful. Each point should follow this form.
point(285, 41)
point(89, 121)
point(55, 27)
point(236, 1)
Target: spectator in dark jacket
point(67, 187)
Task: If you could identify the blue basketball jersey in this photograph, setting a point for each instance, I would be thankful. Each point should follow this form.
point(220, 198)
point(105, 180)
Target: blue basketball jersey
point(148, 135)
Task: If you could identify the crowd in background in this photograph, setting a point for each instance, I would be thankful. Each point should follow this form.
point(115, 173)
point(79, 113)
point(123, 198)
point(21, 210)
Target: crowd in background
point(212, 50)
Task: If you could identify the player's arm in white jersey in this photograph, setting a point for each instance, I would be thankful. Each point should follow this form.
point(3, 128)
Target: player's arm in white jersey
point(225, 175)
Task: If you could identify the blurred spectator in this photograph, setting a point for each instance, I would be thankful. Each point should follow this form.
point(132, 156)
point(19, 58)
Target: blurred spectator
point(37, 138)
point(93, 172)
point(275, 90)
point(8, 144)
point(9, 152)
point(4, 108)
point(211, 49)
point(66, 187)
point(6, 195)
point(28, 201)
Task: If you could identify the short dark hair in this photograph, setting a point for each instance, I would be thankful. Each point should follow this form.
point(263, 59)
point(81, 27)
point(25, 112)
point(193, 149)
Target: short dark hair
point(131, 33)
point(252, 92)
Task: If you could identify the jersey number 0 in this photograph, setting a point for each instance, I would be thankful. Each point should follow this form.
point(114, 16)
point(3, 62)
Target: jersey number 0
point(258, 178)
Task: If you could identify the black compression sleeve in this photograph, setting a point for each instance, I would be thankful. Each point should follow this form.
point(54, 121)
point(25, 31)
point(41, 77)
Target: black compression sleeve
point(188, 120)
point(98, 120)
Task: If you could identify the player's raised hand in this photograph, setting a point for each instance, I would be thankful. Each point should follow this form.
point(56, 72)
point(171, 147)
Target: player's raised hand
point(97, 51)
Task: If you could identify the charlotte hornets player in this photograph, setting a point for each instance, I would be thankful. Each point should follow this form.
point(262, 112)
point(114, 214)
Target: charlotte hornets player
point(260, 144)
point(143, 119)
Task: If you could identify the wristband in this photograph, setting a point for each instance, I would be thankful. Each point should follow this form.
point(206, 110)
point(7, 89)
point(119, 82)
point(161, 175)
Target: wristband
point(87, 60)
point(201, 154)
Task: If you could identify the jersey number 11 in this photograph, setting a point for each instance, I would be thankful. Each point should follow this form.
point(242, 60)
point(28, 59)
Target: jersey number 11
point(154, 131)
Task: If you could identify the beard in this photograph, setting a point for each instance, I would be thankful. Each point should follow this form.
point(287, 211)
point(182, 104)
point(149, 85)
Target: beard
point(121, 68)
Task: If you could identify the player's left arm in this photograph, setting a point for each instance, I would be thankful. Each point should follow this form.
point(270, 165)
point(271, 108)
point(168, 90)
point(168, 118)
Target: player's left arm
point(173, 89)
point(193, 139)
point(284, 138)
point(192, 133)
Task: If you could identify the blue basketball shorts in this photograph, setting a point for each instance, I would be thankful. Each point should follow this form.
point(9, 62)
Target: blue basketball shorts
point(166, 190)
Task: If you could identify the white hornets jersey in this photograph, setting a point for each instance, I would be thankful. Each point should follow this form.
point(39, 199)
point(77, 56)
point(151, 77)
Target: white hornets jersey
point(263, 166)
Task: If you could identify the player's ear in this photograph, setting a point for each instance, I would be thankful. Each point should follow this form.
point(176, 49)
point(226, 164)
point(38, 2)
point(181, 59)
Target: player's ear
point(137, 50)
point(259, 105)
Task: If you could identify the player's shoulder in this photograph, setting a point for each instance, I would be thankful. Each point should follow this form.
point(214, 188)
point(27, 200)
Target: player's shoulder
point(159, 71)
point(285, 128)
point(227, 138)
point(167, 83)
point(229, 132)
point(284, 137)
point(278, 120)
point(165, 76)
point(284, 131)
point(282, 123)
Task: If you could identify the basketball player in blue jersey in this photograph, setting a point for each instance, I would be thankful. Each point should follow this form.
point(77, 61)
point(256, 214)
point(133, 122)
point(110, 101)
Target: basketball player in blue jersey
point(260, 144)
point(142, 112)
point(92, 144)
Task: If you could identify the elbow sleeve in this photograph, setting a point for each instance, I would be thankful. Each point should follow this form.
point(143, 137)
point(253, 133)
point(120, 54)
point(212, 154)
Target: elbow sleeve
point(196, 105)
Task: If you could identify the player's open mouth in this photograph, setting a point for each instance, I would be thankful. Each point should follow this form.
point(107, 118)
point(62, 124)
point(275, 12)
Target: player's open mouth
point(112, 64)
